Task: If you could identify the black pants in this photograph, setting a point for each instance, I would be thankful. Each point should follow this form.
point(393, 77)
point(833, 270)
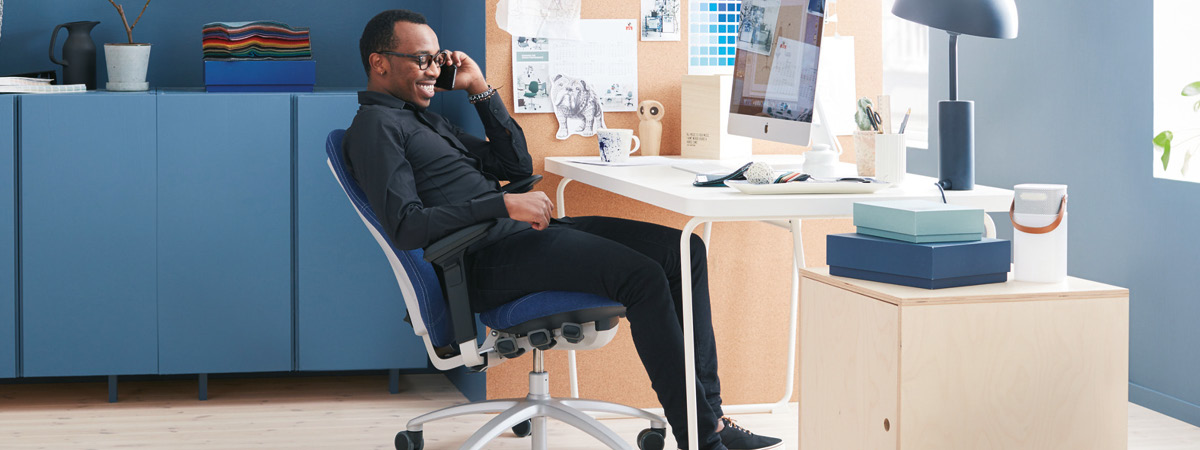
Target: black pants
point(636, 264)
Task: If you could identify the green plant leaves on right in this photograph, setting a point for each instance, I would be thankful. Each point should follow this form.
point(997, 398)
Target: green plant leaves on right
point(1164, 140)
point(1191, 89)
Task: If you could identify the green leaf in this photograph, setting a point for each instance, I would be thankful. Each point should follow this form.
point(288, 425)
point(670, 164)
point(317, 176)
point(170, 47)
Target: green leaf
point(1191, 89)
point(1196, 107)
point(1164, 140)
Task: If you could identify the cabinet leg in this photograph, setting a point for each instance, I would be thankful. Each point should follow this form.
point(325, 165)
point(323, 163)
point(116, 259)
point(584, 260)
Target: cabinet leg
point(203, 386)
point(394, 381)
point(112, 388)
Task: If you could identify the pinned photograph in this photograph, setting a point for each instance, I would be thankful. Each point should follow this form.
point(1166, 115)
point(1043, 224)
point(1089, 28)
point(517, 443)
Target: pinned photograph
point(576, 106)
point(757, 29)
point(660, 20)
point(532, 89)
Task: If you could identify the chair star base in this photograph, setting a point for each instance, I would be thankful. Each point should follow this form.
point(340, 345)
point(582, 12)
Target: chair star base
point(537, 407)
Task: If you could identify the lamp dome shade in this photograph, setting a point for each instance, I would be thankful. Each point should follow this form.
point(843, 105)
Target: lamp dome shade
point(985, 18)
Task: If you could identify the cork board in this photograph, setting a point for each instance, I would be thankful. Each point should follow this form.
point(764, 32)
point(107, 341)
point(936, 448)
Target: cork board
point(749, 263)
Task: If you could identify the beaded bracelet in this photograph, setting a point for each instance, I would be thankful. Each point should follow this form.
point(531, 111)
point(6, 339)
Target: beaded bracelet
point(482, 95)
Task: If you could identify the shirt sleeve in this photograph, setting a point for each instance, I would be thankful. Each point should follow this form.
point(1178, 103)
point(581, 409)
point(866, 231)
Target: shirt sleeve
point(375, 150)
point(504, 153)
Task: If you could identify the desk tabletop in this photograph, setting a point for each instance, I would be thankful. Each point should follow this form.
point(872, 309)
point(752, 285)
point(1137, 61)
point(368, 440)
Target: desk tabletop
point(670, 188)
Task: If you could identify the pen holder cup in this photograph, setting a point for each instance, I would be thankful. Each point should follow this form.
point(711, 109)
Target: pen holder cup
point(891, 158)
point(864, 152)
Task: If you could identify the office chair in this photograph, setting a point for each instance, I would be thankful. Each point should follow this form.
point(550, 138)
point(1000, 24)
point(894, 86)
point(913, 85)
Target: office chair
point(433, 284)
point(532, 90)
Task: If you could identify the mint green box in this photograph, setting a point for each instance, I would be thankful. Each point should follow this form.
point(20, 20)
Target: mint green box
point(918, 221)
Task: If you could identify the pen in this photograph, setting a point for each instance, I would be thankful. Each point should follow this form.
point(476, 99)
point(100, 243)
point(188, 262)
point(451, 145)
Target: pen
point(904, 123)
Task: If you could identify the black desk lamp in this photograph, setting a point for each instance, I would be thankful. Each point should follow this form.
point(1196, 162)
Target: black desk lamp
point(956, 118)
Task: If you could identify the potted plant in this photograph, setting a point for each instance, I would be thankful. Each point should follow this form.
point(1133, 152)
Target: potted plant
point(127, 63)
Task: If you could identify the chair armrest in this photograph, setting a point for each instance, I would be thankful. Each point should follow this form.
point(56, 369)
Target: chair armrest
point(521, 186)
point(453, 245)
point(447, 255)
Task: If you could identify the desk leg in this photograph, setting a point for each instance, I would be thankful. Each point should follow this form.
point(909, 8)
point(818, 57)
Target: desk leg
point(558, 197)
point(562, 212)
point(707, 236)
point(789, 380)
point(689, 341)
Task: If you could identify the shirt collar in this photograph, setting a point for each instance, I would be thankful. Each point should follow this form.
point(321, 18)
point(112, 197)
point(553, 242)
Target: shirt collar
point(382, 99)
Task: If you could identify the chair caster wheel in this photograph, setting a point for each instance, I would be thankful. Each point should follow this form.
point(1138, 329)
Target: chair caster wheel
point(652, 439)
point(410, 440)
point(523, 429)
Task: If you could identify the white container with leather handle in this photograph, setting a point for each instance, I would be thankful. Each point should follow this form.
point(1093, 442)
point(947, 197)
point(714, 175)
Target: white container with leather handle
point(1039, 218)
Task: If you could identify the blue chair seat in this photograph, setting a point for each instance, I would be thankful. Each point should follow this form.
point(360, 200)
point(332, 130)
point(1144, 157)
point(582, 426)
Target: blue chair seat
point(549, 310)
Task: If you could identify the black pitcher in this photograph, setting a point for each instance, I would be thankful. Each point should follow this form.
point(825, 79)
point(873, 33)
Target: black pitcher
point(79, 54)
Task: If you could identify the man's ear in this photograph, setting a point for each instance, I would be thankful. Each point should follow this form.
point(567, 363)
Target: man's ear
point(379, 64)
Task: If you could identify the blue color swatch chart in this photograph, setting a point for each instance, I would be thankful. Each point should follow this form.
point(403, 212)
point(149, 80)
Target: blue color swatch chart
point(712, 41)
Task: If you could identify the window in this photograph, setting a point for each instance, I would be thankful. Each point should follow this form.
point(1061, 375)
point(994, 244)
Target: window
point(906, 73)
point(1176, 135)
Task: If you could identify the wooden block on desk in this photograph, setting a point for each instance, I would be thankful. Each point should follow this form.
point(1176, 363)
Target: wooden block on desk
point(1001, 366)
point(704, 109)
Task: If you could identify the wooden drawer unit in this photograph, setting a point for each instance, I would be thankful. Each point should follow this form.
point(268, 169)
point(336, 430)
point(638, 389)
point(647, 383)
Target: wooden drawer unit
point(1000, 366)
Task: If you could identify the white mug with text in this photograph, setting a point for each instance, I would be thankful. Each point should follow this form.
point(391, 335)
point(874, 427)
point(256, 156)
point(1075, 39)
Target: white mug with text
point(615, 144)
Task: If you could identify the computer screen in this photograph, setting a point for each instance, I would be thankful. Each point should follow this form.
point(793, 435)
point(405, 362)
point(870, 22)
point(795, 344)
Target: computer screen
point(775, 73)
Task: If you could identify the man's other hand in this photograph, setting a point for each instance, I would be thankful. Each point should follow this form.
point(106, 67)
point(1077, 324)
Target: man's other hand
point(533, 207)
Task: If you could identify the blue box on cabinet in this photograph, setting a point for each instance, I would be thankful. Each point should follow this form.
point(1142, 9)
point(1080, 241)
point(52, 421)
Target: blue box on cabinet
point(260, 76)
point(930, 265)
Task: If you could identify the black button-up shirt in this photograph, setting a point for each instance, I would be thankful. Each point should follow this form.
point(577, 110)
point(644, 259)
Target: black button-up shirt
point(426, 178)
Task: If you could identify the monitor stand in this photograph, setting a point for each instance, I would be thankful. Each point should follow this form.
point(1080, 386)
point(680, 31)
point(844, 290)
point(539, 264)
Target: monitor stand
point(820, 132)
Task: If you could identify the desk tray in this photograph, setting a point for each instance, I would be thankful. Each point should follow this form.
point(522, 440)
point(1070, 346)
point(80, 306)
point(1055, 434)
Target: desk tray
point(807, 187)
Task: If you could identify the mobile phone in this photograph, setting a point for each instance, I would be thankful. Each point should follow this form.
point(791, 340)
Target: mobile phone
point(446, 79)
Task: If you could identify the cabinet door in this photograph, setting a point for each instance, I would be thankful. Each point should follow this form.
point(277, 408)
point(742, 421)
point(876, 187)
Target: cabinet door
point(224, 235)
point(87, 234)
point(849, 369)
point(8, 255)
point(351, 314)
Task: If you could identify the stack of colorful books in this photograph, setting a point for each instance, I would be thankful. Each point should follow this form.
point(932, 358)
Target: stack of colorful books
point(919, 243)
point(259, 56)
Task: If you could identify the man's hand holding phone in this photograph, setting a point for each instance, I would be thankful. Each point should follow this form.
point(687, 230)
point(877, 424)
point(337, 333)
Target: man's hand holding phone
point(464, 74)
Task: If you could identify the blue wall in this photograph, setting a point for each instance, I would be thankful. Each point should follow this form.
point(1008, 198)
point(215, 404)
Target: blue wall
point(1069, 101)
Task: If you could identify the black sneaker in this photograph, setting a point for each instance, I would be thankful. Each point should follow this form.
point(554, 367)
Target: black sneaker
point(737, 438)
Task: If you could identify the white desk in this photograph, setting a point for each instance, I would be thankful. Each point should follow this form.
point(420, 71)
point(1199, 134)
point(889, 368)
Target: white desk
point(671, 189)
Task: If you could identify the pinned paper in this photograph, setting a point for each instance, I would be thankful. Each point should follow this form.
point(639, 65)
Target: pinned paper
point(553, 19)
point(605, 62)
point(661, 20)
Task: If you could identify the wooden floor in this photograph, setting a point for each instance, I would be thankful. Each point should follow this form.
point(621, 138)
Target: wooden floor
point(330, 412)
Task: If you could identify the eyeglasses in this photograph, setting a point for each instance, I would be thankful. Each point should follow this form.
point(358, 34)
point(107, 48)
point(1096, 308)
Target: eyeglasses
point(442, 57)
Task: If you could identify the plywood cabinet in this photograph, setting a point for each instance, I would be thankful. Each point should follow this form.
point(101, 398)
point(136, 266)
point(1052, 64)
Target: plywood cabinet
point(1002, 366)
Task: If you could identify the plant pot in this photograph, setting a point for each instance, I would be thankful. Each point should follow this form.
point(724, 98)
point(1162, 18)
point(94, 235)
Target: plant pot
point(127, 64)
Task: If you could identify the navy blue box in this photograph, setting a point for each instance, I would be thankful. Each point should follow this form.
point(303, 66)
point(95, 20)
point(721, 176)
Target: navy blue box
point(260, 76)
point(928, 265)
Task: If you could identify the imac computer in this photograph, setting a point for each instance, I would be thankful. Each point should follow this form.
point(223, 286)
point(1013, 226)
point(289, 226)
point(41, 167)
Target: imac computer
point(775, 73)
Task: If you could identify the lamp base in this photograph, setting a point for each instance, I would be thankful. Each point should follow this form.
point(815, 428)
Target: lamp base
point(956, 133)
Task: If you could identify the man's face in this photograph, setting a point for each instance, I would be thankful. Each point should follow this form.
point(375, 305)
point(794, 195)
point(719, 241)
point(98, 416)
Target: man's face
point(403, 77)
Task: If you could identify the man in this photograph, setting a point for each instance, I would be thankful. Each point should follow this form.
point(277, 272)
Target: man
point(425, 178)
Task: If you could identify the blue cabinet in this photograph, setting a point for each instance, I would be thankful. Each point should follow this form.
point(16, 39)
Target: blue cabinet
point(8, 241)
point(349, 308)
point(87, 196)
point(224, 232)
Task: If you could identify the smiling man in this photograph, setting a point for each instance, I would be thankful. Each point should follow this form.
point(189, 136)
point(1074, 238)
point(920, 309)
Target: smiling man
point(425, 178)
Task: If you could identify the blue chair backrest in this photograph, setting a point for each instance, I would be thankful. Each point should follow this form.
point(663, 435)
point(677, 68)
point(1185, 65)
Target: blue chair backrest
point(421, 276)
